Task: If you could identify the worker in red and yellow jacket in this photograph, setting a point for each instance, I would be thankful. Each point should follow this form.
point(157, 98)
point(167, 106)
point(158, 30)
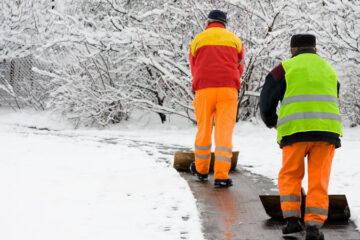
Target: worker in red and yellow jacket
point(217, 63)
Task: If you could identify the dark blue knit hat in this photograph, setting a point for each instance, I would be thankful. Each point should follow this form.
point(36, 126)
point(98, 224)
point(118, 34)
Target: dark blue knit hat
point(303, 40)
point(218, 16)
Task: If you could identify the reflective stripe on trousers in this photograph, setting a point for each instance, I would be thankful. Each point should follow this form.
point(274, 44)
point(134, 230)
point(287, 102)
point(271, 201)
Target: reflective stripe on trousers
point(290, 198)
point(315, 216)
point(290, 205)
point(292, 213)
point(203, 148)
point(202, 158)
point(199, 152)
point(223, 154)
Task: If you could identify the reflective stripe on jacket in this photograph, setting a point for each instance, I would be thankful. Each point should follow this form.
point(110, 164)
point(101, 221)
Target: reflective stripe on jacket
point(310, 102)
point(216, 58)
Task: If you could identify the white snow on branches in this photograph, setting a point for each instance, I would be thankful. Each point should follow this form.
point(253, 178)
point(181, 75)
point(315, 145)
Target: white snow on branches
point(97, 61)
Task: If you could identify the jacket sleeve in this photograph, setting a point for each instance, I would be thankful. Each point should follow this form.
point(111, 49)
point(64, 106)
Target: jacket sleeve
point(241, 60)
point(272, 92)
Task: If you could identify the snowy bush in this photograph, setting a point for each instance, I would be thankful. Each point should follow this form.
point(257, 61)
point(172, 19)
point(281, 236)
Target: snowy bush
point(87, 86)
point(351, 102)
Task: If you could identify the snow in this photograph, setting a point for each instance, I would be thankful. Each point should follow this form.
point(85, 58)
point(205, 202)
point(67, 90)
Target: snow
point(118, 182)
point(70, 185)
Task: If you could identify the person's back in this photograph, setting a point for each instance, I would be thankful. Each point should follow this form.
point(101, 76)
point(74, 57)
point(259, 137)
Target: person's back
point(310, 98)
point(215, 55)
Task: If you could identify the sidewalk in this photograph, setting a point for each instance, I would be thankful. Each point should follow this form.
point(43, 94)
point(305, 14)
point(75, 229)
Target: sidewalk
point(237, 213)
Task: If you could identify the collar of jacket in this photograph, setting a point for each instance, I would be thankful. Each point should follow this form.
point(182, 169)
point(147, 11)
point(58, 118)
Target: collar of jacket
point(215, 24)
point(305, 50)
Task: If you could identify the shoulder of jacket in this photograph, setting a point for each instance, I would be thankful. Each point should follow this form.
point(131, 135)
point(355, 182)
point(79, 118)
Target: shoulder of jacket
point(196, 39)
point(278, 72)
point(232, 34)
point(199, 36)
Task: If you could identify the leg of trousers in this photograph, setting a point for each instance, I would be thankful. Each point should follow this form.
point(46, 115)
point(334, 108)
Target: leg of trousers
point(290, 177)
point(221, 103)
point(204, 105)
point(319, 167)
point(225, 118)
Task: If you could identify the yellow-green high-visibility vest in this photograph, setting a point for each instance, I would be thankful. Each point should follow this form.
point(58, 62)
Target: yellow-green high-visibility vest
point(310, 102)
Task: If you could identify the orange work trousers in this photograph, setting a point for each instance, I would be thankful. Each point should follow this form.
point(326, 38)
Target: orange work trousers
point(220, 103)
point(320, 155)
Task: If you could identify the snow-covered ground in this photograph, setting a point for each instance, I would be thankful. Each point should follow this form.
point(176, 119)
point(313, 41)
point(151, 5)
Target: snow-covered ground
point(78, 185)
point(118, 183)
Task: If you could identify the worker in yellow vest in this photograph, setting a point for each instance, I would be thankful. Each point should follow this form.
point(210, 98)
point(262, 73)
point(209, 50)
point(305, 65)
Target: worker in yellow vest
point(308, 124)
point(217, 63)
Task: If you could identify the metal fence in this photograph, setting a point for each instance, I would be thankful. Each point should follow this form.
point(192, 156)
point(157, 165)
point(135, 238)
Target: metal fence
point(21, 85)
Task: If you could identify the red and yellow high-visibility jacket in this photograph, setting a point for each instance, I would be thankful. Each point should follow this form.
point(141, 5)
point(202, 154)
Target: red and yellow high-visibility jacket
point(216, 58)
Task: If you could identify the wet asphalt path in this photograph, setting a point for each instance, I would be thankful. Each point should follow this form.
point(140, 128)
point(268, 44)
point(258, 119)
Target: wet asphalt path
point(237, 213)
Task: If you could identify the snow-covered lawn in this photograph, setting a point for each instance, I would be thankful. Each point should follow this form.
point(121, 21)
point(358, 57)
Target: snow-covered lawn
point(76, 187)
point(107, 184)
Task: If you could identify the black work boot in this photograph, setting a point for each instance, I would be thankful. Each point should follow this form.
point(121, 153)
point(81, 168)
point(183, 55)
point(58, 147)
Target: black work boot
point(293, 225)
point(313, 233)
point(223, 183)
point(201, 177)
